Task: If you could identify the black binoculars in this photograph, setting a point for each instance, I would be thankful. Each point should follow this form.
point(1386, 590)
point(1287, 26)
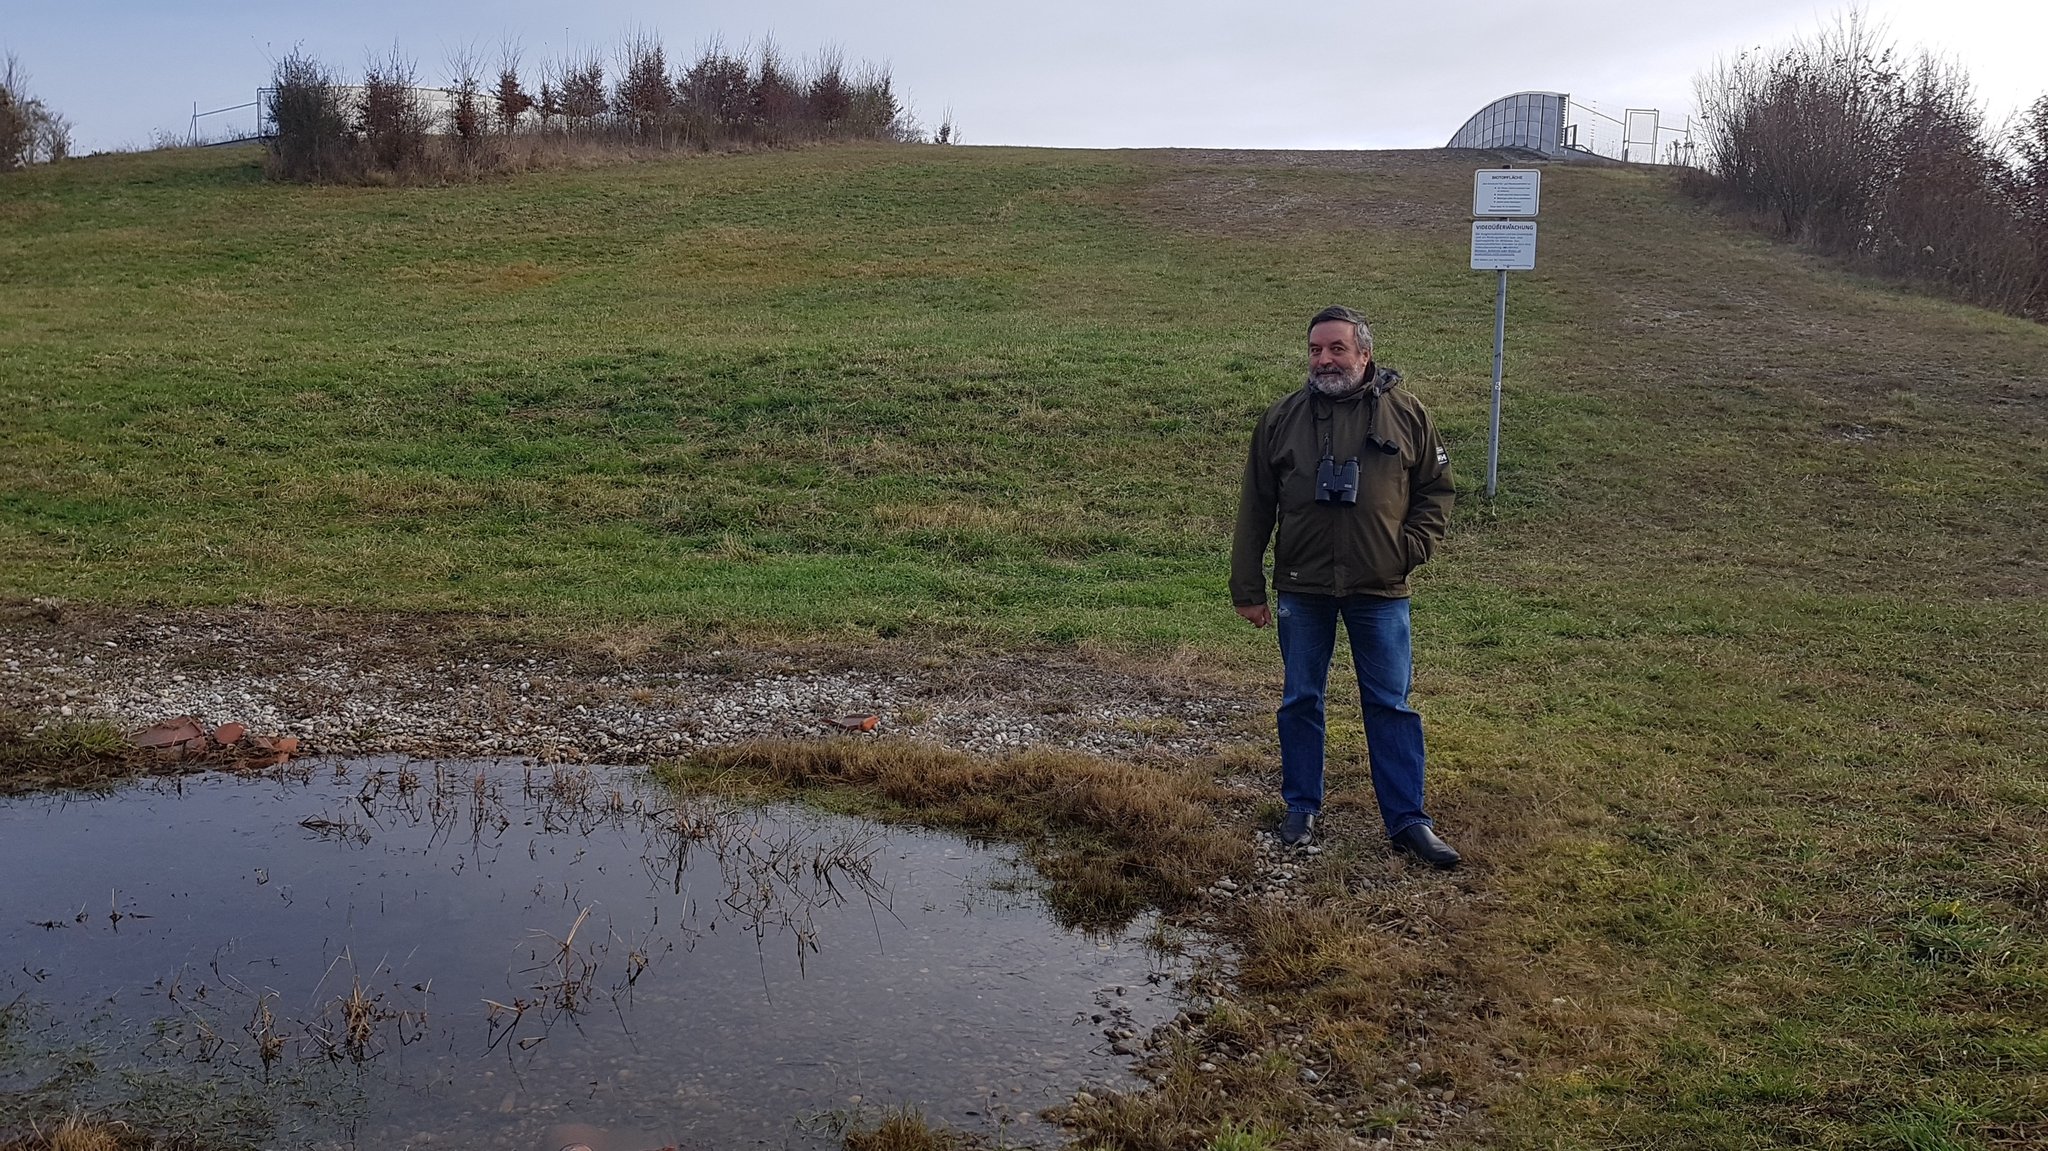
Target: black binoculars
point(1337, 483)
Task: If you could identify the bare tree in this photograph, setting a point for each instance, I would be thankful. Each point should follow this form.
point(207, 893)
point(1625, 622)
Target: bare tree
point(30, 131)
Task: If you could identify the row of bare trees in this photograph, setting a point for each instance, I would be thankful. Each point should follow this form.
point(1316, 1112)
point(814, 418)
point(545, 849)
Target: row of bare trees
point(387, 126)
point(1844, 143)
point(31, 132)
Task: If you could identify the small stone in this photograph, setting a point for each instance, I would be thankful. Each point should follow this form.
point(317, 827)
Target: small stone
point(1205, 1067)
point(1415, 1069)
point(1308, 1075)
point(1123, 1047)
point(1083, 1099)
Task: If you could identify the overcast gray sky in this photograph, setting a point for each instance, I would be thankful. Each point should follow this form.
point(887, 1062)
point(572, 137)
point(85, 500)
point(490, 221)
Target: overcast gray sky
point(1283, 73)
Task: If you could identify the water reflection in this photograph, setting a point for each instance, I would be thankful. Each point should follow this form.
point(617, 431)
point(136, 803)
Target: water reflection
point(473, 953)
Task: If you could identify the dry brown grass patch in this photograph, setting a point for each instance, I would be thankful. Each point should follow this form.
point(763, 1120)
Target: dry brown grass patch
point(1112, 838)
point(901, 1131)
point(80, 1133)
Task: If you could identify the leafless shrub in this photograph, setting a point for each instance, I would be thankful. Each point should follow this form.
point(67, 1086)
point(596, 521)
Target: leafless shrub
point(874, 112)
point(310, 137)
point(1841, 143)
point(30, 131)
point(468, 117)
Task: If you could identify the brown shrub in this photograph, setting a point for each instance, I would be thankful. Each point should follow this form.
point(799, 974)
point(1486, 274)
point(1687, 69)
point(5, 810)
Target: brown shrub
point(30, 131)
point(392, 118)
point(468, 115)
point(1842, 144)
point(509, 100)
point(310, 137)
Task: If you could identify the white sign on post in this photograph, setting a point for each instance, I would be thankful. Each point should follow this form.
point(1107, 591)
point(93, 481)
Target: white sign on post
point(1506, 191)
point(1503, 245)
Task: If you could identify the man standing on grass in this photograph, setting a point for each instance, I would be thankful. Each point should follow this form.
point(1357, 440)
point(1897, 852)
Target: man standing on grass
point(1352, 471)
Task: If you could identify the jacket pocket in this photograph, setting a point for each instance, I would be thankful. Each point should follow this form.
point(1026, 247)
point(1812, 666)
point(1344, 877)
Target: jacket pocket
point(1302, 553)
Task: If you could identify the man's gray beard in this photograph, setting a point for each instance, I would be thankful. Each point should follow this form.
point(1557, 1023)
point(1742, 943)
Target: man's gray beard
point(1336, 387)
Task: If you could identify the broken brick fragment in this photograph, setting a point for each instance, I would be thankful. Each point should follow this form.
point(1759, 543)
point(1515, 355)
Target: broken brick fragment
point(168, 734)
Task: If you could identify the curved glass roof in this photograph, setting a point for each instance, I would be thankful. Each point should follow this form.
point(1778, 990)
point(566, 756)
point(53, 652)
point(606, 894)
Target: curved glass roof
point(1531, 121)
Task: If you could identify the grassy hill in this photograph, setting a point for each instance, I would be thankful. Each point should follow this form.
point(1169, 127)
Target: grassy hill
point(1739, 691)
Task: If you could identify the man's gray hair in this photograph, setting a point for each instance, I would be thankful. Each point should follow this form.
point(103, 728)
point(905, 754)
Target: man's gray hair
point(1340, 312)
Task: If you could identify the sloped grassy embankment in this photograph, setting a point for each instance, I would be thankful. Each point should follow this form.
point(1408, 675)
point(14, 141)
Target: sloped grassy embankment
point(1736, 695)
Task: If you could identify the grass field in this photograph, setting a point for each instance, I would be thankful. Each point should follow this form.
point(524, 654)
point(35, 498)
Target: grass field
point(1738, 694)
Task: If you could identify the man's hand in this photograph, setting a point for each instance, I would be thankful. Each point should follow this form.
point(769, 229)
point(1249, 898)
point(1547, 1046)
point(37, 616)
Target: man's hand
point(1256, 614)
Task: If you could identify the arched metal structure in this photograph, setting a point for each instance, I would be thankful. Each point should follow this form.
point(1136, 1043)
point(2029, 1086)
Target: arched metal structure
point(1530, 121)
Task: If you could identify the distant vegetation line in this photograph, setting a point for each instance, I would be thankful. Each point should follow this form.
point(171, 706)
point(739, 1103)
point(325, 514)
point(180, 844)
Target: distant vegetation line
point(385, 127)
point(1843, 143)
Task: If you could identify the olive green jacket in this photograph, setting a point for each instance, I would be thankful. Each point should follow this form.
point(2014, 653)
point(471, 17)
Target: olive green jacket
point(1367, 548)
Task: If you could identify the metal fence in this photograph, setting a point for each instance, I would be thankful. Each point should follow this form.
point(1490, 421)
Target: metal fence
point(223, 125)
point(1637, 136)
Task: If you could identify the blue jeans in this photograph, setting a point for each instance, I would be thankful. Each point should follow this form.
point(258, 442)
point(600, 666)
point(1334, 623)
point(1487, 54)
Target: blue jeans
point(1381, 655)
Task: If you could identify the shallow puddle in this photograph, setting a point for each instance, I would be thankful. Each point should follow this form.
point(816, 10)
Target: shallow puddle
point(421, 955)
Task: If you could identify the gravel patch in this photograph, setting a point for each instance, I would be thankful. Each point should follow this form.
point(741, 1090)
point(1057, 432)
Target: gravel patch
point(402, 685)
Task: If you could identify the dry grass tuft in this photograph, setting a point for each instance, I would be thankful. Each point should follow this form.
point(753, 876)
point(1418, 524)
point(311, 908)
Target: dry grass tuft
point(1122, 837)
point(901, 1131)
point(80, 1132)
point(62, 753)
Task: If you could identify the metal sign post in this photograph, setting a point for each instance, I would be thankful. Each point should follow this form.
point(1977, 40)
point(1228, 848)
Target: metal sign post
point(1502, 245)
point(1500, 342)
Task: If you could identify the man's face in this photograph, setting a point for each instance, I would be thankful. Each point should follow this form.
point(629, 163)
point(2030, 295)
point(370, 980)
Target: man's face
point(1336, 362)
